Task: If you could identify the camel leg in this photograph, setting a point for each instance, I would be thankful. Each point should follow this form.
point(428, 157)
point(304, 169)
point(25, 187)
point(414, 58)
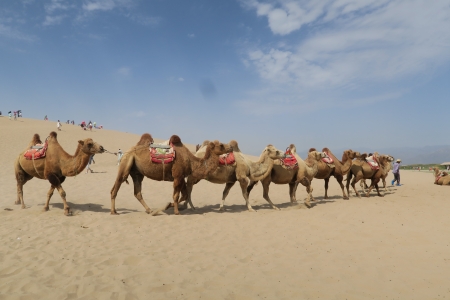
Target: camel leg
point(339, 180)
point(250, 186)
point(177, 186)
point(244, 183)
point(347, 184)
point(62, 193)
point(189, 186)
point(326, 187)
point(21, 178)
point(266, 183)
point(373, 184)
point(292, 190)
point(49, 195)
point(114, 191)
point(226, 190)
point(137, 182)
point(354, 181)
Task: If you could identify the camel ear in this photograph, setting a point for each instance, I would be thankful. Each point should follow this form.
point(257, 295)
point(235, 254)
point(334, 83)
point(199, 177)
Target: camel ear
point(81, 142)
point(211, 145)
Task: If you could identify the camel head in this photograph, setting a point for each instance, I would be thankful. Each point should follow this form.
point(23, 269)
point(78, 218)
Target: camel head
point(351, 154)
point(234, 145)
point(219, 148)
point(90, 147)
point(273, 152)
point(316, 155)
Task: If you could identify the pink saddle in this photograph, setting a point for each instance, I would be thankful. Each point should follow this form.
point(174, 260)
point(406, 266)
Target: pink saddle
point(162, 155)
point(36, 153)
point(289, 162)
point(227, 159)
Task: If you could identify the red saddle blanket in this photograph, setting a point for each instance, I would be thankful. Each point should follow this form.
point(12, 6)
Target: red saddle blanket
point(227, 159)
point(162, 155)
point(36, 153)
point(289, 162)
point(327, 159)
point(373, 164)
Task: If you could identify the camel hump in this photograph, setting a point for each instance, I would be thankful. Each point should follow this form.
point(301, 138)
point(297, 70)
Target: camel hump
point(146, 139)
point(326, 150)
point(175, 140)
point(234, 144)
point(312, 149)
point(292, 148)
point(53, 134)
point(36, 139)
point(205, 143)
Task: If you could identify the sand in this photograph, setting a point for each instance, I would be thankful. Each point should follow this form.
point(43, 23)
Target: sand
point(395, 247)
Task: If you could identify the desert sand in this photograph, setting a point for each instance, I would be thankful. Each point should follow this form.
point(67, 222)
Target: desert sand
point(395, 247)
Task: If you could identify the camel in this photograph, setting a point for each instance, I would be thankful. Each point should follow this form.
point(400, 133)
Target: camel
point(304, 174)
point(441, 177)
point(239, 171)
point(137, 163)
point(54, 167)
point(338, 169)
point(364, 186)
point(362, 170)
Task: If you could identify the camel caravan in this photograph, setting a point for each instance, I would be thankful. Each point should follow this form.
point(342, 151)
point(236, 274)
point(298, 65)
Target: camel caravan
point(213, 161)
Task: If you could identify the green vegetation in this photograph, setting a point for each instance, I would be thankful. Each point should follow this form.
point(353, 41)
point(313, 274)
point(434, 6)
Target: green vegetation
point(422, 167)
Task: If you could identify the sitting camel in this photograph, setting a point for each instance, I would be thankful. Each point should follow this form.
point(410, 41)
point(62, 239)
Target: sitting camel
point(137, 163)
point(441, 177)
point(303, 174)
point(362, 170)
point(239, 171)
point(54, 167)
point(337, 168)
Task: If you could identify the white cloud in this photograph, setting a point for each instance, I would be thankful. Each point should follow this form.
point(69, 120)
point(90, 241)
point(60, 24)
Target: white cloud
point(181, 79)
point(55, 5)
point(191, 35)
point(349, 45)
point(53, 20)
point(124, 71)
point(105, 5)
point(12, 33)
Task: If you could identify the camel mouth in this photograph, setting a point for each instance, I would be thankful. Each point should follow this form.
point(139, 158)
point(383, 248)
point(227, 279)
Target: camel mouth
point(102, 150)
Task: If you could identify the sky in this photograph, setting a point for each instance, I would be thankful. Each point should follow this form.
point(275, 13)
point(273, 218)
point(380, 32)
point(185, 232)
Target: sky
point(328, 73)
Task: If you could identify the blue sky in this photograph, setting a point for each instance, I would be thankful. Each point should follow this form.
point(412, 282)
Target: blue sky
point(331, 73)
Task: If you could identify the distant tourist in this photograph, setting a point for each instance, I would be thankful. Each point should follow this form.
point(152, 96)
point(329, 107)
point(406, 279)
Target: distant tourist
point(396, 172)
point(45, 118)
point(58, 124)
point(119, 156)
point(91, 161)
point(9, 115)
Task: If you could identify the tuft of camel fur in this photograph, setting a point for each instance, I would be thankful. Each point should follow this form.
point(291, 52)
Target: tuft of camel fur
point(54, 167)
point(136, 162)
point(305, 173)
point(242, 170)
point(339, 169)
point(441, 177)
point(362, 170)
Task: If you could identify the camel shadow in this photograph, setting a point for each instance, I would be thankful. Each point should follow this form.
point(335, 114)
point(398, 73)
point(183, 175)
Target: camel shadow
point(233, 208)
point(99, 172)
point(91, 207)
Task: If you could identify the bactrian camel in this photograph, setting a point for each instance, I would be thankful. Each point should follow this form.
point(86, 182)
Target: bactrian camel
point(362, 170)
point(338, 169)
point(441, 177)
point(304, 174)
point(137, 163)
point(242, 170)
point(364, 186)
point(54, 167)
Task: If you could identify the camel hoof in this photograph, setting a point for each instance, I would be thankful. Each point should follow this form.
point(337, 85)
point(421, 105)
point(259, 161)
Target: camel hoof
point(149, 211)
point(114, 213)
point(251, 210)
point(308, 205)
point(222, 208)
point(177, 213)
point(276, 208)
point(346, 198)
point(45, 209)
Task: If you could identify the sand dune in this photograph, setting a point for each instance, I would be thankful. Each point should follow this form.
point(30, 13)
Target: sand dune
point(396, 247)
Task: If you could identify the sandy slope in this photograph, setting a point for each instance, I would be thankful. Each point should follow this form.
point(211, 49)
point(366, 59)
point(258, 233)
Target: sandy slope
point(396, 247)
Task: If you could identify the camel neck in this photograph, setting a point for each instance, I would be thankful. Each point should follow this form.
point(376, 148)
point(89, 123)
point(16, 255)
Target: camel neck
point(262, 168)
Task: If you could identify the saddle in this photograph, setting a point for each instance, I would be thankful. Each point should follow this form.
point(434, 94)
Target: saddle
point(162, 154)
point(37, 151)
point(289, 162)
point(227, 159)
point(373, 163)
point(328, 160)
